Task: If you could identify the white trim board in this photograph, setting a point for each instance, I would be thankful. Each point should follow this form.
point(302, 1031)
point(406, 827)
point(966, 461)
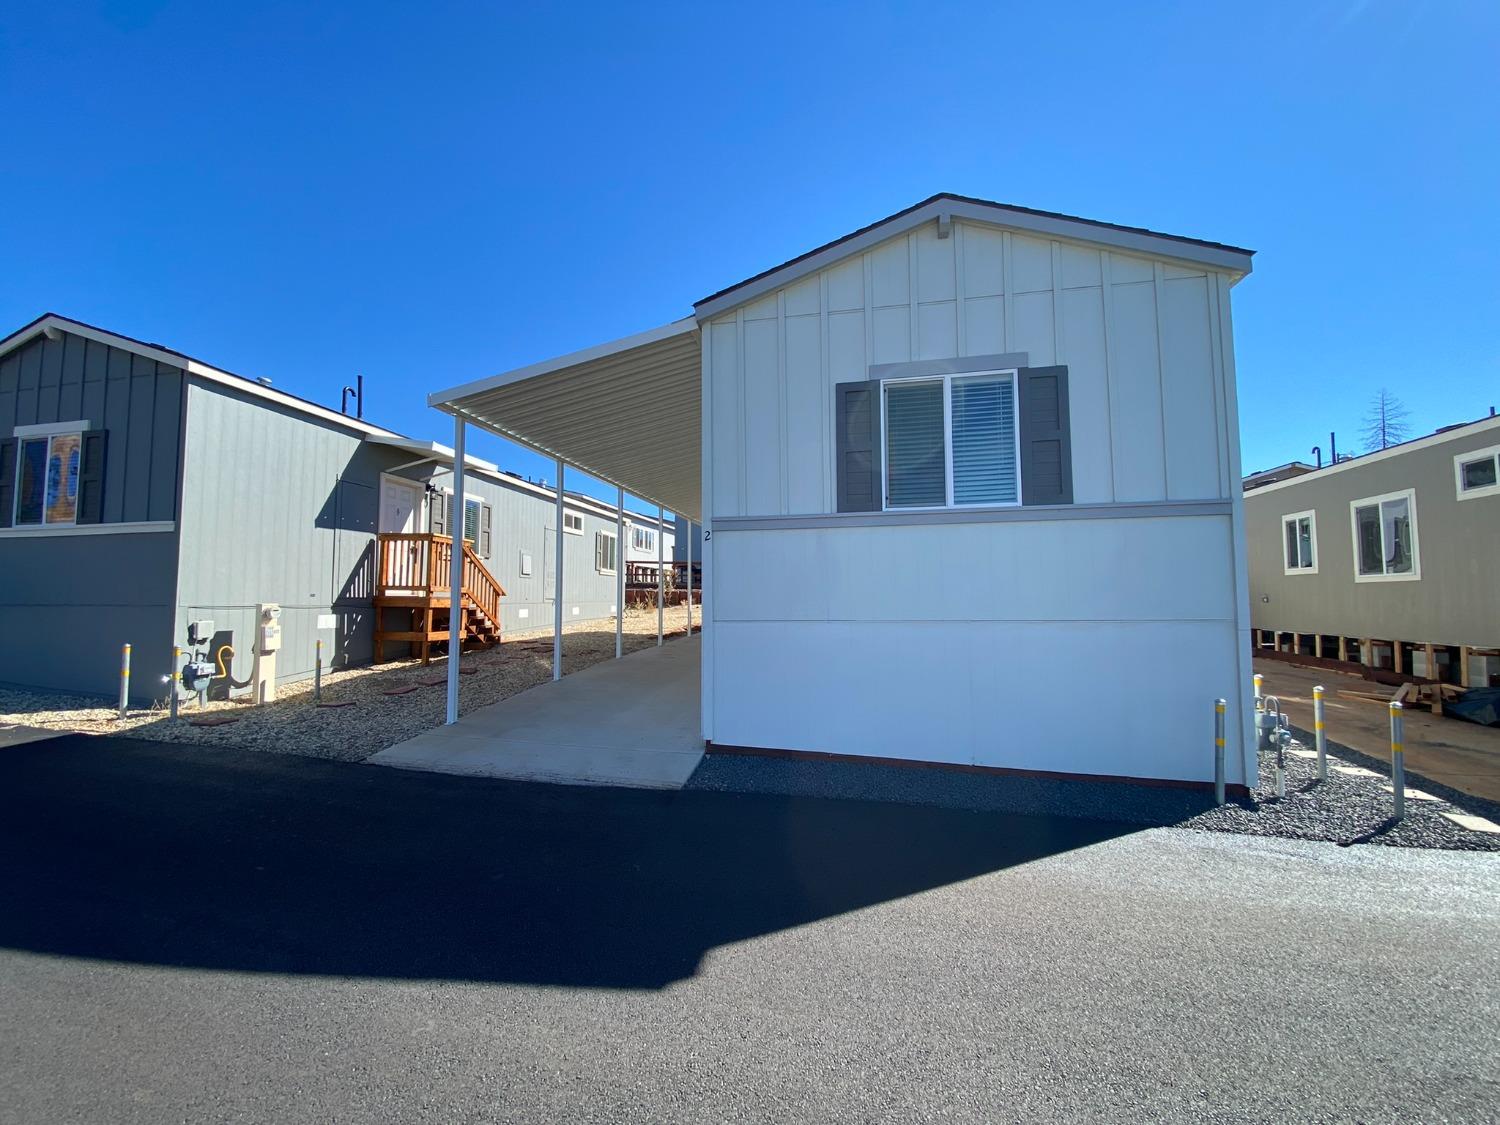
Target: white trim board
point(142, 527)
point(1311, 516)
point(1462, 459)
point(47, 429)
point(1410, 496)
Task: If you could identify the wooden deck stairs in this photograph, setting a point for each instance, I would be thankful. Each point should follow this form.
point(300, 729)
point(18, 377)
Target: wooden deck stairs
point(412, 577)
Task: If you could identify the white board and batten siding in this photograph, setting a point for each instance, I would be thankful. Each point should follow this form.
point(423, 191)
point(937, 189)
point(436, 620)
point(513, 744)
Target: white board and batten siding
point(1088, 645)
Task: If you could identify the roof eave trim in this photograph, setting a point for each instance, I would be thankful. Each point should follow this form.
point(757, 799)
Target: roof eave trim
point(190, 365)
point(443, 400)
point(1228, 259)
point(1462, 430)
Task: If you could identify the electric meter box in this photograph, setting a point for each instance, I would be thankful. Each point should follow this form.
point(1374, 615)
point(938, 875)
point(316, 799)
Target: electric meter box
point(270, 628)
point(200, 632)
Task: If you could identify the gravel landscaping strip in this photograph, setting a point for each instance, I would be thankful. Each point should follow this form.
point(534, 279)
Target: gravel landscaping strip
point(364, 709)
point(1350, 809)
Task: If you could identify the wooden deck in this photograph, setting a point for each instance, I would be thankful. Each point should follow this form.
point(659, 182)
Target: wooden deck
point(412, 580)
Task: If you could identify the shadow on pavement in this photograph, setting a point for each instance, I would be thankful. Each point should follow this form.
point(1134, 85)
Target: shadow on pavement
point(182, 856)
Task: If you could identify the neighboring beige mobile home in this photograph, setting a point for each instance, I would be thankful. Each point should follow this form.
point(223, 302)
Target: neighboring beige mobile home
point(1392, 559)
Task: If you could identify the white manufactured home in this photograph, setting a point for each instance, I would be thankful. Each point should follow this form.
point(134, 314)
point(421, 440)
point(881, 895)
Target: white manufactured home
point(969, 480)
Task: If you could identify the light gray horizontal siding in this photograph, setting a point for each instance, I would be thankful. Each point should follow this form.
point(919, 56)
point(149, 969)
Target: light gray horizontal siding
point(69, 602)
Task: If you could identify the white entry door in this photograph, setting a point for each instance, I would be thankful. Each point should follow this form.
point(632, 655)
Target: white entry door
point(399, 503)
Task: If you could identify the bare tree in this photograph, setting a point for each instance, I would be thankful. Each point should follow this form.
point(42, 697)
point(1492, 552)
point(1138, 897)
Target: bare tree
point(1386, 422)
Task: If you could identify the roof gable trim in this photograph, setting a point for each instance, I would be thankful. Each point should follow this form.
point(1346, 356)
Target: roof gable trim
point(945, 208)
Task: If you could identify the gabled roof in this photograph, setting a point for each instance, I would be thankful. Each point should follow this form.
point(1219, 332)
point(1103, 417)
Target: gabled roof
point(53, 322)
point(946, 206)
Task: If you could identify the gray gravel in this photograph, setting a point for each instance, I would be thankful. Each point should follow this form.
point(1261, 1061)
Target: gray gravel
point(1350, 810)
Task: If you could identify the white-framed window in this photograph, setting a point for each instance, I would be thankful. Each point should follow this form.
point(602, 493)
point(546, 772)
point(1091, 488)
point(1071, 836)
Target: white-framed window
point(47, 473)
point(573, 523)
point(1299, 543)
point(1477, 473)
point(1385, 537)
point(951, 441)
point(643, 538)
point(606, 550)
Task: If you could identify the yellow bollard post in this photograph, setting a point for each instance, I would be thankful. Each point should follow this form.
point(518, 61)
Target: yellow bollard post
point(1320, 735)
point(124, 680)
point(175, 679)
point(1219, 705)
point(1398, 760)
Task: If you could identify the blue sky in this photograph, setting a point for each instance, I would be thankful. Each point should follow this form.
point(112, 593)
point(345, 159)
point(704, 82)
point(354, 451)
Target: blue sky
point(431, 193)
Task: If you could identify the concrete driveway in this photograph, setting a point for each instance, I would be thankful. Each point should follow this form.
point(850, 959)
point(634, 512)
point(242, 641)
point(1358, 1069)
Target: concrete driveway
point(211, 935)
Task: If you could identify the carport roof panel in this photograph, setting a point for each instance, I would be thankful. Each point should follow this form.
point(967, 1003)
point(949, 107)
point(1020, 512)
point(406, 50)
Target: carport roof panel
point(628, 412)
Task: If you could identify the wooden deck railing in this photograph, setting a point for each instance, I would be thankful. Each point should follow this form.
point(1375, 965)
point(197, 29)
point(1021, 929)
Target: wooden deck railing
point(642, 575)
point(417, 564)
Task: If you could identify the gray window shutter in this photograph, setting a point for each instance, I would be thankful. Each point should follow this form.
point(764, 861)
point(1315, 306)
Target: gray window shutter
point(8, 449)
point(439, 513)
point(857, 410)
point(91, 478)
point(1046, 443)
point(484, 531)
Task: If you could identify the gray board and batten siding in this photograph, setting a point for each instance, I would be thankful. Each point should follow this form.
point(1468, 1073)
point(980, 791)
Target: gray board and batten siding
point(1456, 599)
point(281, 507)
point(70, 597)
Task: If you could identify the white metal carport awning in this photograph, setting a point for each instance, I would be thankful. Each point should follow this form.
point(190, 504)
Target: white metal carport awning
point(628, 412)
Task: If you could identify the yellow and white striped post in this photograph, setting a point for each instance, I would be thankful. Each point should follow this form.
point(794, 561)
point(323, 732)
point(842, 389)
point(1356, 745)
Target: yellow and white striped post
point(174, 679)
point(1219, 706)
point(1398, 760)
point(1259, 682)
point(1320, 735)
point(318, 674)
point(124, 679)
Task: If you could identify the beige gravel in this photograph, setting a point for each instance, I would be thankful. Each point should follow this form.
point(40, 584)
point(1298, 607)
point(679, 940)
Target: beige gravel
point(294, 725)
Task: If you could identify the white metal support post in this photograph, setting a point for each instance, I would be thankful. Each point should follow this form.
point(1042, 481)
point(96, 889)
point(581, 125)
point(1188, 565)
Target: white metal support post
point(619, 572)
point(557, 582)
point(456, 569)
point(661, 573)
point(689, 525)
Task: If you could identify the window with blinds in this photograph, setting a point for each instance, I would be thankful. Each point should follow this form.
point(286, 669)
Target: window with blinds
point(951, 441)
point(984, 440)
point(915, 450)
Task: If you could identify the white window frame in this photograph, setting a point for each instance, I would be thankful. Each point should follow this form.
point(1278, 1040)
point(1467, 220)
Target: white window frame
point(1410, 496)
point(1311, 516)
point(647, 534)
point(568, 526)
point(1462, 459)
point(947, 381)
point(602, 536)
point(45, 431)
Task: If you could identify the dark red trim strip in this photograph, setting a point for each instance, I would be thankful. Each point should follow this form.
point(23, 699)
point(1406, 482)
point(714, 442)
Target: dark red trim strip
point(1237, 791)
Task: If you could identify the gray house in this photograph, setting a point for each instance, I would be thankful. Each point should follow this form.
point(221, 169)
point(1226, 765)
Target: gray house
point(149, 498)
point(1388, 560)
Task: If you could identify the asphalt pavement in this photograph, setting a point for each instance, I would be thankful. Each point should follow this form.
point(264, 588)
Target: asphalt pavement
point(200, 935)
